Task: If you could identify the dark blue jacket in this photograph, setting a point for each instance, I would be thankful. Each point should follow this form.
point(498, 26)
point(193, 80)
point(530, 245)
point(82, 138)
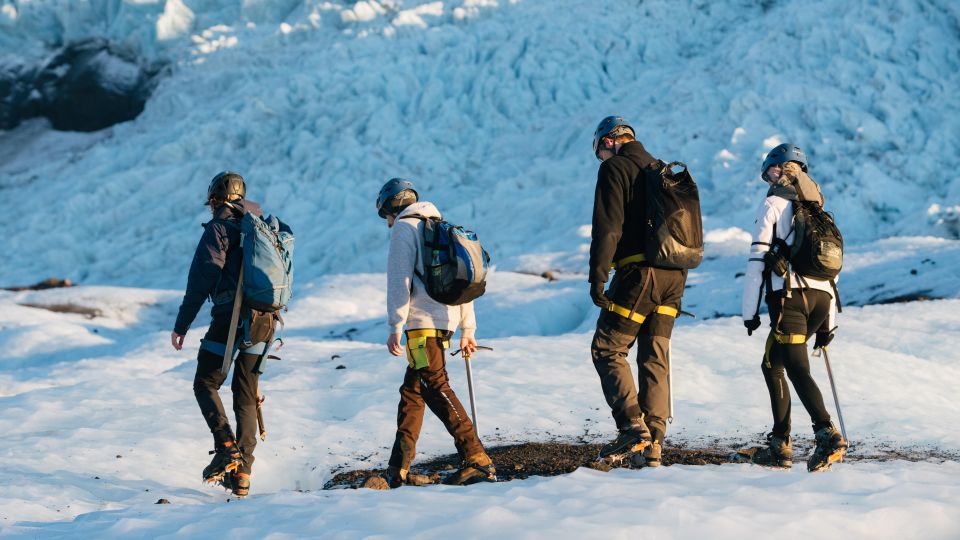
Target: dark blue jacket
point(216, 265)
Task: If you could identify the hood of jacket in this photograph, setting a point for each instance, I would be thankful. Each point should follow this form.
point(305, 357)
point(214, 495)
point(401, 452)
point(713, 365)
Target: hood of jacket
point(422, 208)
point(239, 208)
point(636, 151)
point(796, 185)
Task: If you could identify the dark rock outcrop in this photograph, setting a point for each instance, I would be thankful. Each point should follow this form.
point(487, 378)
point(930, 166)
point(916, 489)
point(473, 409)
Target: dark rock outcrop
point(85, 86)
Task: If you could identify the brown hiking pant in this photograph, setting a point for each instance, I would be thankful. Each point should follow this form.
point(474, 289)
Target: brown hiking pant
point(430, 385)
point(642, 289)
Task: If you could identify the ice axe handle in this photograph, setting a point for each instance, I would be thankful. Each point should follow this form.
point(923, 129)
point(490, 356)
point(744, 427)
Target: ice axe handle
point(833, 387)
point(473, 399)
point(479, 347)
point(263, 429)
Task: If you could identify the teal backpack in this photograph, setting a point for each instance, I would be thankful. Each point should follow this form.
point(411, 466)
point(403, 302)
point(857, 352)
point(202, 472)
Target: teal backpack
point(455, 264)
point(267, 245)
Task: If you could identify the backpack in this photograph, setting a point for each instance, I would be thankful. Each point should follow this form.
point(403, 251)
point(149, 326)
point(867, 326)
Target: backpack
point(817, 249)
point(267, 245)
point(455, 264)
point(674, 230)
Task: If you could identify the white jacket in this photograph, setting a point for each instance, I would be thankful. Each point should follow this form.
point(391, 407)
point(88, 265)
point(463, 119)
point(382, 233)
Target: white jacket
point(775, 211)
point(407, 300)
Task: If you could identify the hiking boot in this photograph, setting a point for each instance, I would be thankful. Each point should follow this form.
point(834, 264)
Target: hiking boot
point(475, 468)
point(226, 459)
point(395, 476)
point(781, 450)
point(240, 484)
point(651, 454)
point(831, 447)
point(628, 441)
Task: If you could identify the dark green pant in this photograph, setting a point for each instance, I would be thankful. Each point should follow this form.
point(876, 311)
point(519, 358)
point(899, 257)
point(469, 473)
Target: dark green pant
point(641, 289)
point(206, 385)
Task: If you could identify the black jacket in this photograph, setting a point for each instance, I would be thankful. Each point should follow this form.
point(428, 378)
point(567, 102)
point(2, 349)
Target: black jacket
point(216, 264)
point(618, 209)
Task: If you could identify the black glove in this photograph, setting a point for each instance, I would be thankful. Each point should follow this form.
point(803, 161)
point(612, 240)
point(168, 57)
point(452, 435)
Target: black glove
point(752, 324)
point(596, 293)
point(824, 337)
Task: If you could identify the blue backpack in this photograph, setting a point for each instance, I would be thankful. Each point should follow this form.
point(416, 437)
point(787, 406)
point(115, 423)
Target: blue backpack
point(267, 245)
point(455, 264)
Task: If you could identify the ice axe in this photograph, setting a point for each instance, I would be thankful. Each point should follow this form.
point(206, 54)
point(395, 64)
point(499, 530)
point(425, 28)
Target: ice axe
point(833, 387)
point(473, 400)
point(670, 370)
point(263, 429)
point(670, 383)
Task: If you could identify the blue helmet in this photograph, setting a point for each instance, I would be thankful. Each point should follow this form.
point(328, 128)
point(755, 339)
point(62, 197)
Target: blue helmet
point(392, 198)
point(611, 126)
point(782, 154)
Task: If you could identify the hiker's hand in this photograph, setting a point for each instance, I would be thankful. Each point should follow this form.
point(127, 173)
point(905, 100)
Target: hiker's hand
point(177, 340)
point(596, 293)
point(824, 337)
point(752, 324)
point(393, 345)
point(468, 346)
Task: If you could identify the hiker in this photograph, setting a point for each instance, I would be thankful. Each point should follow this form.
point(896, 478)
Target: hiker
point(429, 328)
point(641, 303)
point(800, 306)
point(214, 273)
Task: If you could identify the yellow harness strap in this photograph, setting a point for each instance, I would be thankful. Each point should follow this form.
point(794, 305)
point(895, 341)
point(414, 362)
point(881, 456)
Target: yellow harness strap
point(631, 259)
point(784, 339)
point(789, 339)
point(429, 332)
point(636, 317)
point(426, 332)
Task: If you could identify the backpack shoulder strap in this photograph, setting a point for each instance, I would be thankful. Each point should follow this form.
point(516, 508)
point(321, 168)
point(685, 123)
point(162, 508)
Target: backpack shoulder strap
point(836, 295)
point(227, 222)
point(656, 166)
point(423, 239)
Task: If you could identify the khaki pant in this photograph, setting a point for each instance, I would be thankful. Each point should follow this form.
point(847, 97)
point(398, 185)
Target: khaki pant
point(641, 289)
point(430, 386)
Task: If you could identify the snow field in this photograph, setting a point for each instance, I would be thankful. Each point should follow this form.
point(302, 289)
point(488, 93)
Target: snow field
point(69, 415)
point(887, 501)
point(489, 107)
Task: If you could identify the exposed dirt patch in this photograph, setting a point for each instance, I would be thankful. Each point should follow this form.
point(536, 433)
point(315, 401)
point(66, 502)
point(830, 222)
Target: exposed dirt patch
point(49, 283)
point(521, 461)
point(87, 312)
point(920, 296)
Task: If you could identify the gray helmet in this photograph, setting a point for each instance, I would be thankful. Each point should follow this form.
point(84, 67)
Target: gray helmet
point(225, 184)
point(782, 154)
point(611, 126)
point(395, 195)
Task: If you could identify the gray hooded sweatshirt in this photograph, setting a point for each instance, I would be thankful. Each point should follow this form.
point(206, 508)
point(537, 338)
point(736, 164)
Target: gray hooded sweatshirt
point(412, 305)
